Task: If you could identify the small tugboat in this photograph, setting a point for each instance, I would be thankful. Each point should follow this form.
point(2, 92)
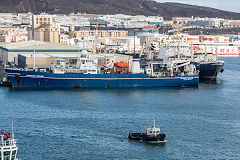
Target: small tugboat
point(8, 146)
point(152, 135)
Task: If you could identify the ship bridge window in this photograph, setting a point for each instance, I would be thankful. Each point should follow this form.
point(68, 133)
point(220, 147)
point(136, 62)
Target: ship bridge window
point(150, 131)
point(7, 153)
point(13, 152)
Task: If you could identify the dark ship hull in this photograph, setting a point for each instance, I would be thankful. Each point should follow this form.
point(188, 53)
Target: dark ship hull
point(144, 137)
point(210, 71)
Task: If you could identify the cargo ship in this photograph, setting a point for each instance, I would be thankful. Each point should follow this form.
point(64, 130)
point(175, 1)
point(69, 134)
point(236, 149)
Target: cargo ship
point(89, 73)
point(209, 64)
point(209, 70)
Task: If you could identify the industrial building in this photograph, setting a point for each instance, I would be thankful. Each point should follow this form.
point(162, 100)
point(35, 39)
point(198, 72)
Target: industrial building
point(9, 51)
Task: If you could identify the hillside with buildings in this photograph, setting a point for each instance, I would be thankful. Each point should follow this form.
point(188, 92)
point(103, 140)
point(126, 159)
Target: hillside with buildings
point(131, 7)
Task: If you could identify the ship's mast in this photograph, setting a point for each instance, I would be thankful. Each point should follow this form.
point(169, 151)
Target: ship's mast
point(179, 38)
point(216, 53)
point(153, 123)
point(201, 37)
point(134, 32)
point(34, 57)
point(205, 48)
point(12, 131)
point(95, 39)
point(192, 50)
point(2, 138)
point(178, 47)
point(151, 62)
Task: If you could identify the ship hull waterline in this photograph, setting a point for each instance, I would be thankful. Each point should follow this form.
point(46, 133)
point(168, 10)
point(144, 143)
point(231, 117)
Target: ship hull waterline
point(61, 82)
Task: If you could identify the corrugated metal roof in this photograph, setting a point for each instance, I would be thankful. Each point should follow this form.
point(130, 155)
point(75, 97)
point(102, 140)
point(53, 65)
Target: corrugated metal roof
point(72, 55)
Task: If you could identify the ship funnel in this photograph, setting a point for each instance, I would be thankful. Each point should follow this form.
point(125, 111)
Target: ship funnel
point(135, 68)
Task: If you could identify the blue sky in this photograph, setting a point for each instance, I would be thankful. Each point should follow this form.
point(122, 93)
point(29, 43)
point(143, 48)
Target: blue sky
point(228, 5)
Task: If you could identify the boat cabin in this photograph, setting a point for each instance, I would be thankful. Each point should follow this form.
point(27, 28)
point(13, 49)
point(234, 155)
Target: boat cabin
point(153, 131)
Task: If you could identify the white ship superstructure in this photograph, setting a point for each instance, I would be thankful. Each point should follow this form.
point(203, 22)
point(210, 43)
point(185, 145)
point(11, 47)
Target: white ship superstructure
point(8, 147)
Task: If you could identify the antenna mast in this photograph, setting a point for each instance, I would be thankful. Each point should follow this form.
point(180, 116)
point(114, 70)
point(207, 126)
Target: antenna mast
point(12, 131)
point(179, 42)
point(192, 50)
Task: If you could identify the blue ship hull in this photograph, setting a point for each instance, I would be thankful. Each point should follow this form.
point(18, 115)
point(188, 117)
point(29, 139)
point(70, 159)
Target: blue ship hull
point(30, 79)
point(210, 71)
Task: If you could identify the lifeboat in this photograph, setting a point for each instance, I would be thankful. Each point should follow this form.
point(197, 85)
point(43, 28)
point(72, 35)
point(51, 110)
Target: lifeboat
point(121, 64)
point(121, 67)
point(152, 135)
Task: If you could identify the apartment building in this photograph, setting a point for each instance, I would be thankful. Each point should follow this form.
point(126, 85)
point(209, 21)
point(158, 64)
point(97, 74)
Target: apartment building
point(101, 33)
point(44, 28)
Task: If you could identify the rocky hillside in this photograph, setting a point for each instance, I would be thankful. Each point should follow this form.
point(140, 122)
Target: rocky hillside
point(132, 7)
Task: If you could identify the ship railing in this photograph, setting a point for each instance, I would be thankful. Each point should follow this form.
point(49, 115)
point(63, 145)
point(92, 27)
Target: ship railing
point(9, 142)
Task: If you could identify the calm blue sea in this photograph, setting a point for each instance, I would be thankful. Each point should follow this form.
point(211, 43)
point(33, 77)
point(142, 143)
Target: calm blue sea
point(200, 123)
